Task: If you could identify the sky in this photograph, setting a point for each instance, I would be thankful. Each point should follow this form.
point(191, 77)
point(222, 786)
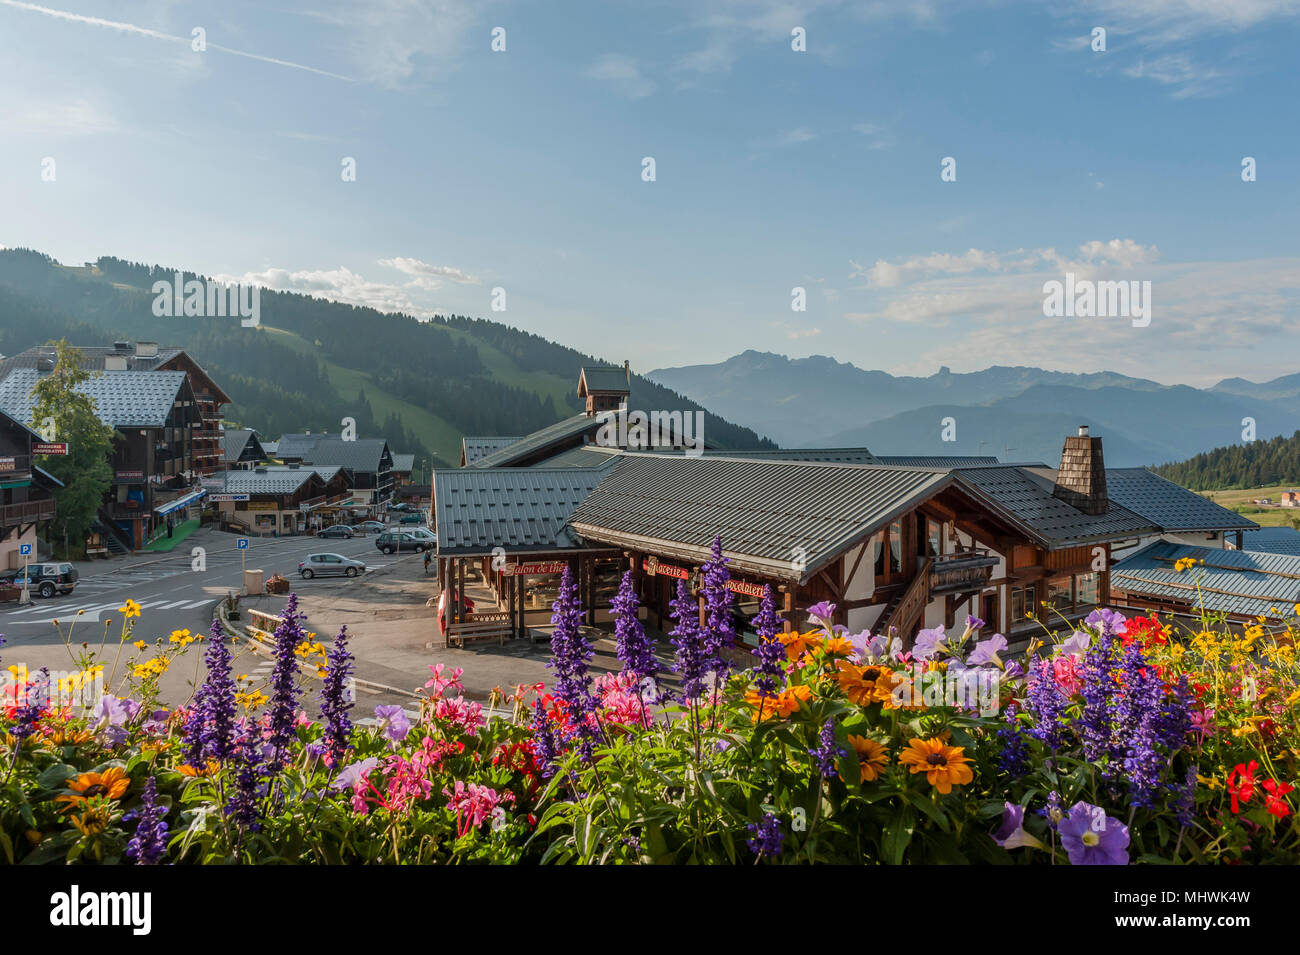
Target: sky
point(523, 169)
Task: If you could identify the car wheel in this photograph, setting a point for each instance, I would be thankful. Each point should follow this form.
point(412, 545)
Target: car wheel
point(386, 550)
point(308, 574)
point(419, 548)
point(47, 589)
point(351, 571)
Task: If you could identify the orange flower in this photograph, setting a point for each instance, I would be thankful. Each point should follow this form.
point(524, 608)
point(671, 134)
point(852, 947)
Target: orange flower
point(112, 783)
point(779, 706)
point(798, 644)
point(872, 757)
point(944, 766)
point(864, 685)
point(188, 770)
point(839, 647)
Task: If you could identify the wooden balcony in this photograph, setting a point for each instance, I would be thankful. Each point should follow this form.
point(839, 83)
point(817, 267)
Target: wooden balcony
point(11, 464)
point(961, 572)
point(28, 512)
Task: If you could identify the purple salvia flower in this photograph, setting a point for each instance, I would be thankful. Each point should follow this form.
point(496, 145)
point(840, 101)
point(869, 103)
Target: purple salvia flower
point(827, 750)
point(1047, 705)
point(635, 649)
point(1100, 692)
point(767, 836)
point(571, 652)
point(545, 746)
point(719, 626)
point(770, 651)
point(36, 696)
point(692, 659)
point(1013, 753)
point(284, 684)
point(336, 700)
point(149, 844)
point(242, 806)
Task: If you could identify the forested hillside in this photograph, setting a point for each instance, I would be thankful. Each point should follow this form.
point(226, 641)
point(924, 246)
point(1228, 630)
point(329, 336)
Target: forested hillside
point(1258, 464)
point(421, 384)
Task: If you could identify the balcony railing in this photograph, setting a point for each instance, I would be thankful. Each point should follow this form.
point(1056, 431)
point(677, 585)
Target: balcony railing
point(15, 463)
point(27, 512)
point(964, 571)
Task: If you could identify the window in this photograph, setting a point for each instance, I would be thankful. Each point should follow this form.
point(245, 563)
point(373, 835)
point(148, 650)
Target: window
point(1022, 603)
point(1060, 596)
point(896, 548)
point(889, 553)
point(1087, 589)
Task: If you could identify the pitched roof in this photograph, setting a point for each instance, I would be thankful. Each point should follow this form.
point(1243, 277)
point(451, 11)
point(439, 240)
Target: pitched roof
point(937, 461)
point(280, 481)
point(518, 509)
point(123, 399)
point(235, 441)
point(783, 519)
point(93, 358)
point(602, 378)
point(1026, 499)
point(404, 462)
point(1171, 506)
point(552, 436)
point(1272, 540)
point(296, 445)
point(477, 446)
point(364, 454)
point(1236, 582)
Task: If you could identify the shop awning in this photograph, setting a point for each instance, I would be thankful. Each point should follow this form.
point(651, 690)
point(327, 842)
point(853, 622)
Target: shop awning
point(183, 501)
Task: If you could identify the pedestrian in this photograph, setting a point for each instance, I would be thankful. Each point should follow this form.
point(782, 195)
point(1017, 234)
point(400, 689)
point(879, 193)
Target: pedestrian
point(428, 559)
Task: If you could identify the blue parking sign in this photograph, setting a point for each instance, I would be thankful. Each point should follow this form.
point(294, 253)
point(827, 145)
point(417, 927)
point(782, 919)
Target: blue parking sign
point(24, 550)
point(243, 543)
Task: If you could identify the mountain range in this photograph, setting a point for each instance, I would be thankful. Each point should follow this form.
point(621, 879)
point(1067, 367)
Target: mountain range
point(311, 362)
point(1016, 413)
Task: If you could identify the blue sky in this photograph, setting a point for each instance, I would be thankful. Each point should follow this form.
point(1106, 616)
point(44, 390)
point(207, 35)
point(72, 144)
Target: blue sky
point(775, 169)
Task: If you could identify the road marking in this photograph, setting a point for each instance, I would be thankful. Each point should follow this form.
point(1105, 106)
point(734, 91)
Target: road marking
point(171, 606)
point(195, 604)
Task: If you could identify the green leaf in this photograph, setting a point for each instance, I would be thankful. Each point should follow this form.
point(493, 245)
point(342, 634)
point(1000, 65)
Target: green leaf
point(898, 835)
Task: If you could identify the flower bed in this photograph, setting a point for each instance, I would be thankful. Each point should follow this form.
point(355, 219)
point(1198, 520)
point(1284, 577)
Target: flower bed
point(1127, 743)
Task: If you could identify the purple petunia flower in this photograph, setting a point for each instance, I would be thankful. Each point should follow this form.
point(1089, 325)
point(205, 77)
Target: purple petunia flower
point(1011, 834)
point(353, 773)
point(393, 722)
point(1111, 623)
point(822, 612)
point(1090, 837)
point(928, 643)
point(986, 651)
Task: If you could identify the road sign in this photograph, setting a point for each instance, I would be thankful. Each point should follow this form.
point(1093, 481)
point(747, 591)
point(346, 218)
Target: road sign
point(24, 550)
point(243, 543)
point(49, 447)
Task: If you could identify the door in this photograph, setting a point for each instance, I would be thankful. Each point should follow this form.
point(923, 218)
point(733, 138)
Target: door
point(989, 612)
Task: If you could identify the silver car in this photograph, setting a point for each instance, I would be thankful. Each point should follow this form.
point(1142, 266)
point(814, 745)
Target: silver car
point(325, 565)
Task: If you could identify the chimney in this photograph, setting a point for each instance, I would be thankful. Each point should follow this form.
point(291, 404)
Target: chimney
point(627, 370)
point(146, 349)
point(1081, 480)
point(122, 348)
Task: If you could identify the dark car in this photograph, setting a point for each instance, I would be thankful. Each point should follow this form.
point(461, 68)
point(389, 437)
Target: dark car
point(399, 506)
point(337, 530)
point(411, 519)
point(370, 527)
point(393, 541)
point(49, 578)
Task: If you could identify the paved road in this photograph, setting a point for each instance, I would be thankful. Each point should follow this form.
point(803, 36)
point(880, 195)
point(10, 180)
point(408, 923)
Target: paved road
point(171, 594)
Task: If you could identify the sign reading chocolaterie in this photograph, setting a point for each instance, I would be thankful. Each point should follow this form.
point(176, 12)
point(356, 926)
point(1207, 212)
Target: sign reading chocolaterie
point(745, 587)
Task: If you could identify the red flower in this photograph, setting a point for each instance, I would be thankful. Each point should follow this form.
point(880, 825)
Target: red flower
point(1241, 784)
point(1276, 803)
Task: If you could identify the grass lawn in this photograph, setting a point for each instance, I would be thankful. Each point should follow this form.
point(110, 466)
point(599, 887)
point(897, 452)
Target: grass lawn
point(1239, 499)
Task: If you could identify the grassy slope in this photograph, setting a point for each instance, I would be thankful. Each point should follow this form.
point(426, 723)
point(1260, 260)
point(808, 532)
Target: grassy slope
point(1239, 500)
point(438, 435)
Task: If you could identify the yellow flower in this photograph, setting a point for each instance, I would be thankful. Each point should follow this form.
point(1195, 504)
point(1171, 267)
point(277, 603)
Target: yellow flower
point(93, 820)
point(1293, 699)
point(797, 644)
point(839, 646)
point(129, 609)
point(779, 706)
point(872, 757)
point(251, 701)
point(180, 636)
point(139, 644)
point(188, 770)
point(864, 685)
point(944, 766)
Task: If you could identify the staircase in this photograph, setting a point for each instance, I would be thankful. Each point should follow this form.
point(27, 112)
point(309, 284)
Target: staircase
point(114, 539)
point(907, 608)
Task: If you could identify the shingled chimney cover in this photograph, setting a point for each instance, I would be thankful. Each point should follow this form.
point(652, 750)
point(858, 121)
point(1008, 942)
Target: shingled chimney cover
point(1081, 480)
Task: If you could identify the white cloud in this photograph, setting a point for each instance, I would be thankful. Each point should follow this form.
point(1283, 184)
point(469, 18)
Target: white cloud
point(338, 285)
point(878, 137)
point(423, 270)
point(623, 74)
point(70, 117)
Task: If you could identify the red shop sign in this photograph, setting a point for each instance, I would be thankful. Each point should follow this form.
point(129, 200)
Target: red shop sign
point(652, 567)
point(746, 588)
point(546, 568)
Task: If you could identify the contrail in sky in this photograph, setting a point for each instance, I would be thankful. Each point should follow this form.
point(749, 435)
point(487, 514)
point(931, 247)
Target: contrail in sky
point(157, 35)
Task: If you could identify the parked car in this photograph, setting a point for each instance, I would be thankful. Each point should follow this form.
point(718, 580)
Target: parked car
point(392, 541)
point(337, 530)
point(49, 578)
point(326, 565)
point(399, 506)
point(423, 533)
point(370, 527)
point(411, 519)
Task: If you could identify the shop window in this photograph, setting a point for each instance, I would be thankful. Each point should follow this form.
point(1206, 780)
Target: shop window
point(1022, 603)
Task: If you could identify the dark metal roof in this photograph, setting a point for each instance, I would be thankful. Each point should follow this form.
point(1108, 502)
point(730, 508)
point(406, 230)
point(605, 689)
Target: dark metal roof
point(517, 509)
point(1026, 499)
point(477, 446)
point(235, 441)
point(823, 455)
point(782, 519)
point(93, 358)
point(552, 436)
point(1170, 506)
point(296, 445)
point(1272, 540)
point(404, 462)
point(123, 399)
point(361, 456)
point(1231, 581)
point(586, 456)
point(602, 378)
point(278, 481)
point(936, 461)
